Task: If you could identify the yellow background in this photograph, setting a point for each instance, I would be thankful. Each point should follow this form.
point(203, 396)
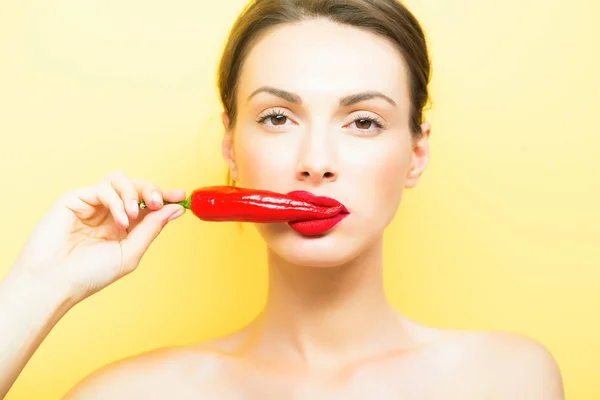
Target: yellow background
point(503, 231)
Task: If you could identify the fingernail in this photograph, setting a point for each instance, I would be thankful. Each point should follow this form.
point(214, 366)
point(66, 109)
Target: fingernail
point(133, 207)
point(156, 198)
point(176, 215)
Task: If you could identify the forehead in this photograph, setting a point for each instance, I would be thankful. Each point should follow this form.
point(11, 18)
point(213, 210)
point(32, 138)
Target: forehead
point(319, 56)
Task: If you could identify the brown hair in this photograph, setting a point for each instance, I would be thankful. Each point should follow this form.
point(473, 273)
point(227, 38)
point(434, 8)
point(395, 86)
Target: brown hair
point(387, 18)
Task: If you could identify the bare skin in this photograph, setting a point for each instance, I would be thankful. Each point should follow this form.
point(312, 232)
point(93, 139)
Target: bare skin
point(328, 330)
point(436, 364)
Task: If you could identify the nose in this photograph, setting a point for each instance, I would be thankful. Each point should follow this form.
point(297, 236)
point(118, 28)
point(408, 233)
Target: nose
point(316, 162)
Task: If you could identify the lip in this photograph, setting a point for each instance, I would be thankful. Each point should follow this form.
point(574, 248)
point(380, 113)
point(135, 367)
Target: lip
point(322, 201)
point(317, 226)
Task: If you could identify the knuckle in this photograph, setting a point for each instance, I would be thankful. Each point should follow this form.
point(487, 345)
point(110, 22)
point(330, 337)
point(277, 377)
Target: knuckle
point(132, 195)
point(103, 185)
point(115, 204)
point(131, 188)
point(69, 194)
point(118, 174)
point(107, 192)
point(150, 187)
point(106, 179)
point(141, 185)
point(117, 179)
point(101, 193)
point(66, 197)
point(112, 198)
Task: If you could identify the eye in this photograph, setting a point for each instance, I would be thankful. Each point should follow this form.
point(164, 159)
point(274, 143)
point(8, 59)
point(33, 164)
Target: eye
point(368, 124)
point(274, 119)
point(278, 119)
point(364, 123)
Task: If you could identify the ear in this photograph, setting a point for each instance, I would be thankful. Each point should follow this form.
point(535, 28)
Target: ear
point(420, 156)
point(227, 147)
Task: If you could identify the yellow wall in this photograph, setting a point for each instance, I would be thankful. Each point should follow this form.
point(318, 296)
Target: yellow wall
point(503, 232)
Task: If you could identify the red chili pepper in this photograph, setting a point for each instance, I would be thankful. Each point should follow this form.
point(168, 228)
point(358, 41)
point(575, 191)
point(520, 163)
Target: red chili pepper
point(230, 203)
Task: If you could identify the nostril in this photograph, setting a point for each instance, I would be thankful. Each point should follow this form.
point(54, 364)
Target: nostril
point(324, 175)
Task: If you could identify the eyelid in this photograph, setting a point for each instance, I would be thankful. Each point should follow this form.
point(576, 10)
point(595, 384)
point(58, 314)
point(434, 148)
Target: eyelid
point(379, 122)
point(265, 115)
point(366, 111)
point(269, 112)
point(369, 116)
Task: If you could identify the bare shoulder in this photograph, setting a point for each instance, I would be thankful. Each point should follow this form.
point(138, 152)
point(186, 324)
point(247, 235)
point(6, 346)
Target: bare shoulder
point(172, 372)
point(489, 364)
point(506, 365)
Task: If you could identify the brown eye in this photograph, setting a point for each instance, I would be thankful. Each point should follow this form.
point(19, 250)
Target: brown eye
point(275, 119)
point(363, 123)
point(278, 119)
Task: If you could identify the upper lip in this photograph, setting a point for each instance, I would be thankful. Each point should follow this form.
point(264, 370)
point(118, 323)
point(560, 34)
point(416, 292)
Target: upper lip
point(322, 201)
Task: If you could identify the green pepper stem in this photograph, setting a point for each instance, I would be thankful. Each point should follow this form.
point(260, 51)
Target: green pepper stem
point(185, 203)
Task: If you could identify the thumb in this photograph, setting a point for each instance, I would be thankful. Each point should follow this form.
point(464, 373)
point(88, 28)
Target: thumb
point(141, 237)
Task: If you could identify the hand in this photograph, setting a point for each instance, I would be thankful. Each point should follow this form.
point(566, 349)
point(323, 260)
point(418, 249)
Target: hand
point(95, 235)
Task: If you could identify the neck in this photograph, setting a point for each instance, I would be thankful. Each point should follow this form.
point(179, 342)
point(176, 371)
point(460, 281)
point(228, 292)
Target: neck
point(329, 315)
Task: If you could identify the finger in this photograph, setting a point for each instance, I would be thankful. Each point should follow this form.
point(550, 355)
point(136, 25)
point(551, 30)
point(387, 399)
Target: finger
point(128, 192)
point(82, 202)
point(143, 234)
point(170, 195)
point(109, 197)
point(151, 194)
point(174, 195)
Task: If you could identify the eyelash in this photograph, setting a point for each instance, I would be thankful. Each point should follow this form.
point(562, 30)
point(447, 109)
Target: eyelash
point(278, 113)
point(271, 113)
point(378, 122)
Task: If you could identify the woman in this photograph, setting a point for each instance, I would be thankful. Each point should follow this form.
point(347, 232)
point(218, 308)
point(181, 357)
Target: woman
point(324, 96)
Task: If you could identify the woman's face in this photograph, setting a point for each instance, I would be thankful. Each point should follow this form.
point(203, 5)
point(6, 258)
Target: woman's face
point(324, 108)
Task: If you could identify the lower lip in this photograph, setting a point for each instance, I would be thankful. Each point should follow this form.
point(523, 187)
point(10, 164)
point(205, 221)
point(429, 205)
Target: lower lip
point(316, 226)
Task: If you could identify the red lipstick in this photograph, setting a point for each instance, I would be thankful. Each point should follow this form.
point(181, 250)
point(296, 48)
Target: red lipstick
point(317, 226)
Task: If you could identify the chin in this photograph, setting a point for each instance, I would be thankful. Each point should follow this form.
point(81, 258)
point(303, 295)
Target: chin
point(329, 250)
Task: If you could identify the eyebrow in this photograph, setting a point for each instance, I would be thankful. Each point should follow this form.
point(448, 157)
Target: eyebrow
point(344, 101)
point(363, 96)
point(285, 95)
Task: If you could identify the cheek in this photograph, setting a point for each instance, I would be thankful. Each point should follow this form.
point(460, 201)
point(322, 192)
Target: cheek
point(263, 162)
point(382, 173)
point(390, 177)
